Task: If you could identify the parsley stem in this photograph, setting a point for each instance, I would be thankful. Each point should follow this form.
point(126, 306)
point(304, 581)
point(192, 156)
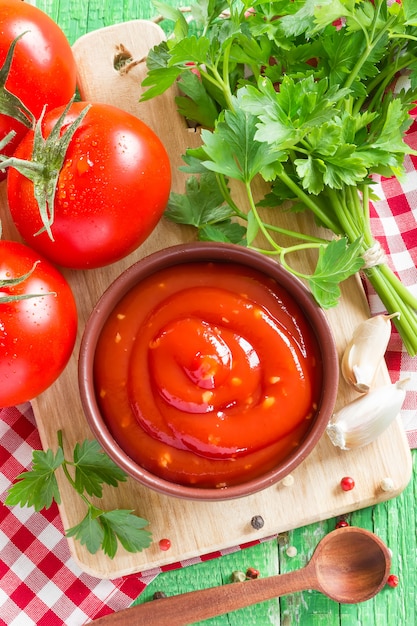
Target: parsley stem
point(221, 181)
point(403, 36)
point(367, 52)
point(67, 474)
point(216, 79)
point(347, 221)
point(393, 294)
point(403, 292)
point(364, 189)
point(396, 299)
point(297, 235)
point(358, 208)
point(260, 223)
point(289, 250)
point(382, 81)
point(226, 76)
point(324, 218)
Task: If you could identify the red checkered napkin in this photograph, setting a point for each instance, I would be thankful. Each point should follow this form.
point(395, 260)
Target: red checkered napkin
point(40, 584)
point(394, 225)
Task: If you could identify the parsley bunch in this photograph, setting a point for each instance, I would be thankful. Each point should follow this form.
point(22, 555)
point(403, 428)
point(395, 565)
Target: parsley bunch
point(303, 95)
point(91, 469)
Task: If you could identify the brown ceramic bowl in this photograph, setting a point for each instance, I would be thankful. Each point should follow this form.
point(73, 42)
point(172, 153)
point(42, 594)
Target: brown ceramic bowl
point(216, 252)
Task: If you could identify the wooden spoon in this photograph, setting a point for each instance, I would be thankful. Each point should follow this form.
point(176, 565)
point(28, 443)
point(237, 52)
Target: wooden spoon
point(349, 565)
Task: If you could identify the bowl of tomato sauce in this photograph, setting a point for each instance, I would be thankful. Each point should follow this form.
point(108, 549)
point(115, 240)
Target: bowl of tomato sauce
point(207, 371)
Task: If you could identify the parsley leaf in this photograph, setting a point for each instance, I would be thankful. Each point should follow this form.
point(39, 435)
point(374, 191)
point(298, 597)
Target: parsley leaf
point(89, 532)
point(302, 20)
point(285, 118)
point(225, 231)
point(92, 469)
point(232, 148)
point(123, 526)
point(38, 487)
point(203, 207)
point(171, 13)
point(160, 77)
point(105, 529)
point(202, 203)
point(410, 12)
point(196, 104)
point(337, 261)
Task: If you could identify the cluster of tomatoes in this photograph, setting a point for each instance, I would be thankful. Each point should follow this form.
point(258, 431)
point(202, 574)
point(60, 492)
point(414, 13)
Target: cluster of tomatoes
point(86, 185)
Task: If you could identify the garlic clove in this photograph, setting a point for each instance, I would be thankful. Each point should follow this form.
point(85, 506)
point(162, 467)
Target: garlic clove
point(365, 351)
point(364, 419)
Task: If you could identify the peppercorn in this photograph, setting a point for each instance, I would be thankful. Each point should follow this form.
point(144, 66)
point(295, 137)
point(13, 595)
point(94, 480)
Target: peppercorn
point(347, 483)
point(283, 538)
point(393, 580)
point(387, 484)
point(291, 551)
point(257, 522)
point(158, 595)
point(251, 572)
point(342, 523)
point(164, 544)
point(238, 577)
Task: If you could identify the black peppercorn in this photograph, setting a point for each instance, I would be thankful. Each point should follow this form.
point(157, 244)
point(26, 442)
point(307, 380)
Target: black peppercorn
point(257, 522)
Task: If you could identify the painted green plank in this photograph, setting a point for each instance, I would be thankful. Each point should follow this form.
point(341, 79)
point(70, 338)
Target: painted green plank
point(297, 608)
point(77, 17)
point(218, 572)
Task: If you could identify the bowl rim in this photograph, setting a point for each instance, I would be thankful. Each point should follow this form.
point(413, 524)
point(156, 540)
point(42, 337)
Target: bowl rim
point(182, 254)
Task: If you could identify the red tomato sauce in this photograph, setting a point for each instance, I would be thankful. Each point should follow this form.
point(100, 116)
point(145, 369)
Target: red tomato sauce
point(208, 374)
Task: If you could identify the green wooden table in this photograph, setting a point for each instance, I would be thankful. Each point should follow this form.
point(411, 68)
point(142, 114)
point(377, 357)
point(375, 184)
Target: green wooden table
point(394, 521)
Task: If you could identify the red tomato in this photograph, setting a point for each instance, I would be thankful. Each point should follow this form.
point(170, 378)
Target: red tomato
point(112, 189)
point(37, 335)
point(43, 69)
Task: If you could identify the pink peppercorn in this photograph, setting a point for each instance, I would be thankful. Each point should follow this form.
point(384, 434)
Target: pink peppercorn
point(347, 483)
point(341, 524)
point(164, 544)
point(393, 580)
point(251, 572)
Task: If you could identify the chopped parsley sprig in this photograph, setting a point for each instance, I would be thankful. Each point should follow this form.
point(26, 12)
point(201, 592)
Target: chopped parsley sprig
point(302, 94)
point(87, 472)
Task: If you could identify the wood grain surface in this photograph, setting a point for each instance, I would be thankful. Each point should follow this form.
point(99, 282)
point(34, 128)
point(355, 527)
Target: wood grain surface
point(198, 528)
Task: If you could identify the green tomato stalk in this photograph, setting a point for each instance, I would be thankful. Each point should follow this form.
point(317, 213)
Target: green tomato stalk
point(6, 284)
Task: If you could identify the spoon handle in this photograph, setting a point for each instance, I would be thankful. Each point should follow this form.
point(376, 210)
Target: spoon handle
point(195, 606)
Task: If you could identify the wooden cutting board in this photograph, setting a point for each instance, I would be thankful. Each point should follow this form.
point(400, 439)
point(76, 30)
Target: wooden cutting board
point(198, 528)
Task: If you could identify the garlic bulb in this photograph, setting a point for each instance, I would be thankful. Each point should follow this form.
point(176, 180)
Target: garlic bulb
point(361, 421)
point(365, 351)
